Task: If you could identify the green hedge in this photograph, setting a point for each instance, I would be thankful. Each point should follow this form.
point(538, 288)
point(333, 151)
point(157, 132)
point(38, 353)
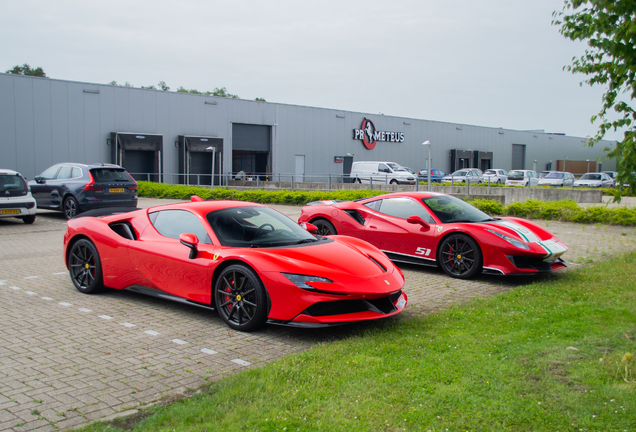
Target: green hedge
point(566, 210)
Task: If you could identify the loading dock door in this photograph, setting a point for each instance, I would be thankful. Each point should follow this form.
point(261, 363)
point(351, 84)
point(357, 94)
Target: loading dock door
point(251, 146)
point(140, 153)
point(195, 160)
point(518, 156)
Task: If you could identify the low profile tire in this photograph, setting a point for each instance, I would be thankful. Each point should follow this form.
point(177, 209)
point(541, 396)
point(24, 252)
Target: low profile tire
point(241, 298)
point(325, 228)
point(70, 207)
point(460, 256)
point(85, 267)
point(29, 219)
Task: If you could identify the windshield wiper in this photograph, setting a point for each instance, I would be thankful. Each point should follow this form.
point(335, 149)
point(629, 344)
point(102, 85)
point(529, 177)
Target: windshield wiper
point(311, 240)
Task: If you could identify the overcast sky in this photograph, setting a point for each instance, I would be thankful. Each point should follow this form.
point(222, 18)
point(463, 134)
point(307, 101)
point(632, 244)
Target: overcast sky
point(492, 63)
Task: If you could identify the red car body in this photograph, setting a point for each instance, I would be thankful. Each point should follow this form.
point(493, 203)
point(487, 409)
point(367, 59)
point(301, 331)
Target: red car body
point(409, 230)
point(341, 279)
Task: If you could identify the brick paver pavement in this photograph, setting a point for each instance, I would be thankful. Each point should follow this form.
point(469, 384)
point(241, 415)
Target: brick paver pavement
point(67, 358)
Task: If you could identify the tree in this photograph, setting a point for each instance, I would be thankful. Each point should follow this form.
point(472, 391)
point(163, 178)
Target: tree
point(609, 28)
point(25, 69)
point(260, 100)
point(163, 86)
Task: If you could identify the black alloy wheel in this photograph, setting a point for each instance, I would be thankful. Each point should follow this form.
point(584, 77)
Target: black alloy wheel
point(70, 207)
point(85, 267)
point(460, 256)
point(241, 298)
point(325, 228)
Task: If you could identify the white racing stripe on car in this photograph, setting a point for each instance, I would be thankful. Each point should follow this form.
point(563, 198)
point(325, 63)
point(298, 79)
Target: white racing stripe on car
point(553, 248)
point(523, 232)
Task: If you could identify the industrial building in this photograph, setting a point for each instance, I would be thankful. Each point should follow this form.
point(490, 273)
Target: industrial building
point(177, 137)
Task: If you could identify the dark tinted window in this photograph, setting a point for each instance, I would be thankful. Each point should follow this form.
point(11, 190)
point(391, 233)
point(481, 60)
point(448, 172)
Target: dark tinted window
point(110, 175)
point(173, 223)
point(12, 185)
point(451, 209)
point(403, 208)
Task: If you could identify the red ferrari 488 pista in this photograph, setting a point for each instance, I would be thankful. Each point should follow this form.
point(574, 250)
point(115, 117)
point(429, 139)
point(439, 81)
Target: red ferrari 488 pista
point(440, 230)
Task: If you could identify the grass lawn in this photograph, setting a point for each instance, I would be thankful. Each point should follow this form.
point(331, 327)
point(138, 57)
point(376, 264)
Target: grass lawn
point(543, 357)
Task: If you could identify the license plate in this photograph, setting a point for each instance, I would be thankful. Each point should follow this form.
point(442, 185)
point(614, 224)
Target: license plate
point(9, 212)
point(401, 302)
point(117, 190)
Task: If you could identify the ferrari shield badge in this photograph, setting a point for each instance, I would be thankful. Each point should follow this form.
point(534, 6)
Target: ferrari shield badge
point(216, 256)
point(439, 229)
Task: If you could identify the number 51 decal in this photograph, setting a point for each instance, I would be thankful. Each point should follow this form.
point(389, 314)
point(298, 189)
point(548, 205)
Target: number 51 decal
point(422, 251)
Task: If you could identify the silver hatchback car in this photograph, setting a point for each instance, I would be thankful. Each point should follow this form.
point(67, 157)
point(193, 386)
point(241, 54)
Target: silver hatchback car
point(15, 197)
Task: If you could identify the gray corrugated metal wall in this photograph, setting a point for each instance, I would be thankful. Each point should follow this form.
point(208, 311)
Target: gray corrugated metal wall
point(45, 121)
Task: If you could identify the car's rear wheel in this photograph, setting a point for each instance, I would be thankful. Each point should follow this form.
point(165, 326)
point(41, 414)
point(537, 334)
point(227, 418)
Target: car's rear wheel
point(70, 207)
point(29, 219)
point(325, 227)
point(241, 298)
point(460, 256)
point(85, 267)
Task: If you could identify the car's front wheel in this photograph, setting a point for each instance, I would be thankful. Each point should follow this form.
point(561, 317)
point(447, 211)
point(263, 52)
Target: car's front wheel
point(241, 298)
point(460, 256)
point(85, 267)
point(70, 207)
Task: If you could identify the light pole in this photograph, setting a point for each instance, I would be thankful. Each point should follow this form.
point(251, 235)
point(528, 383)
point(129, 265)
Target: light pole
point(213, 150)
point(428, 171)
point(588, 165)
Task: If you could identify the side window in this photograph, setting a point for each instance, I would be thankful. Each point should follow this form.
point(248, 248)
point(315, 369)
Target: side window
point(173, 223)
point(49, 174)
point(76, 172)
point(374, 205)
point(383, 168)
point(65, 173)
point(403, 208)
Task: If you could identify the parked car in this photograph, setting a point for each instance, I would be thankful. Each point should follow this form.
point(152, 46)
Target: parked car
point(15, 197)
point(440, 230)
point(436, 175)
point(74, 188)
point(495, 176)
point(612, 174)
point(248, 261)
point(594, 180)
point(383, 172)
point(522, 177)
point(557, 179)
point(463, 175)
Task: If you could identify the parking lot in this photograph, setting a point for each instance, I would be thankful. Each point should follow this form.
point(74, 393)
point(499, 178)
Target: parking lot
point(68, 358)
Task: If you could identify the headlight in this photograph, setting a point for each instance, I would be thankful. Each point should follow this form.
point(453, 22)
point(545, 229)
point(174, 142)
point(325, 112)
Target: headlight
point(301, 280)
point(512, 241)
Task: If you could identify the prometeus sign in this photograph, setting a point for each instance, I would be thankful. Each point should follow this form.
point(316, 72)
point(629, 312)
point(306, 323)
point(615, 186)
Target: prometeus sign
point(369, 136)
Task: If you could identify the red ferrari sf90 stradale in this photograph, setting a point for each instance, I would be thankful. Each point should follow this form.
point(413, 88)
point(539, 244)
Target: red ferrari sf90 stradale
point(248, 261)
point(440, 230)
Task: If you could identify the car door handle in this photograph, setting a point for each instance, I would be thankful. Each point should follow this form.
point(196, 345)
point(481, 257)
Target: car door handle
point(372, 227)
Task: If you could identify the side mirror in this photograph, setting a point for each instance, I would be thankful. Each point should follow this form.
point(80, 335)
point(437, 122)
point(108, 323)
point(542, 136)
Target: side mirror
point(191, 241)
point(39, 179)
point(416, 220)
point(309, 227)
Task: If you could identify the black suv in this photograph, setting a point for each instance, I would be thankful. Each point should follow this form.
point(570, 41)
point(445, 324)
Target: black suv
point(74, 188)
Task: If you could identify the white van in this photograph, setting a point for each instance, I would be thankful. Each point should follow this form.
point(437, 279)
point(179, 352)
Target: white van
point(380, 172)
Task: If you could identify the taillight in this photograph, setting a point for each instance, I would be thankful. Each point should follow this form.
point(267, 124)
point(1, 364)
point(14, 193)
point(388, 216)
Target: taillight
point(90, 186)
point(135, 187)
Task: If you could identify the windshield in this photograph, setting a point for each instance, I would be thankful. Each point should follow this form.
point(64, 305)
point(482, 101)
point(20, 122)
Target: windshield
point(109, 175)
point(590, 177)
point(490, 172)
point(516, 174)
point(12, 185)
point(451, 209)
point(396, 167)
point(554, 175)
point(256, 227)
point(460, 173)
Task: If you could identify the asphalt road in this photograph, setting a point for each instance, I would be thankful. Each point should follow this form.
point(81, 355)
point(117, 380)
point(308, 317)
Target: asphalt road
point(68, 358)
